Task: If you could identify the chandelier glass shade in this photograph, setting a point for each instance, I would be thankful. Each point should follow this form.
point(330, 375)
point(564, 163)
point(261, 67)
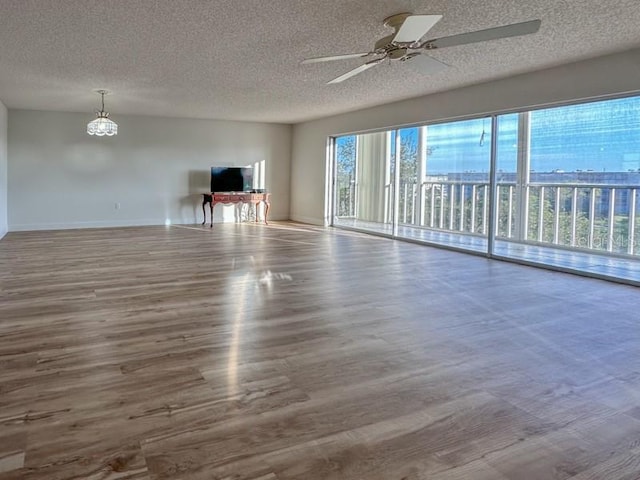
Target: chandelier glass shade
point(102, 125)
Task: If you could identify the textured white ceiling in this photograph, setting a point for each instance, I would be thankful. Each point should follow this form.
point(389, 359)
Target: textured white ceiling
point(240, 59)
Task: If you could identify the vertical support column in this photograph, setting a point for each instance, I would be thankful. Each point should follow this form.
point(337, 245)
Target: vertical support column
point(396, 186)
point(493, 187)
point(356, 160)
point(388, 179)
point(263, 181)
point(332, 195)
point(522, 175)
point(422, 173)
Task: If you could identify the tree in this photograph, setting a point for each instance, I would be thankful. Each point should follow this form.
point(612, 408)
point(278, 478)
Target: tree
point(409, 181)
point(346, 175)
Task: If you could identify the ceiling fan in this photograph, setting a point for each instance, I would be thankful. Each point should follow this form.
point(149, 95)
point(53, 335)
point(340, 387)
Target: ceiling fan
point(405, 45)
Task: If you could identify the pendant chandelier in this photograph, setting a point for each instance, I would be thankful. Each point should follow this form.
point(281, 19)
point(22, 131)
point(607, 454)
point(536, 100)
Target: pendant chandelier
point(102, 125)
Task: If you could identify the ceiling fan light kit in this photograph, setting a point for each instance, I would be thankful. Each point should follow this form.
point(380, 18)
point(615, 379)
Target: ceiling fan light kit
point(405, 43)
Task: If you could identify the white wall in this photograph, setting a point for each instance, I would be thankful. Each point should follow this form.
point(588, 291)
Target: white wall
point(609, 75)
point(3, 171)
point(155, 168)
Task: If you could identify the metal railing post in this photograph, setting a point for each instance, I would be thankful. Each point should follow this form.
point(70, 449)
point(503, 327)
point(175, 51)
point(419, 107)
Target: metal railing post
point(632, 220)
point(405, 187)
point(462, 207)
point(497, 211)
point(556, 218)
point(510, 214)
point(592, 215)
point(574, 215)
point(541, 214)
point(433, 206)
point(452, 202)
point(441, 217)
point(485, 206)
point(611, 219)
point(474, 194)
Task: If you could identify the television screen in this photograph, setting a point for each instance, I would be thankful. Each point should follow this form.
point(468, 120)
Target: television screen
point(231, 179)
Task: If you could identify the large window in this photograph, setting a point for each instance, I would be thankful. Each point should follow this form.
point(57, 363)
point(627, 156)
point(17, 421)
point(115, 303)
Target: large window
point(345, 191)
point(566, 179)
point(573, 180)
point(456, 181)
point(439, 191)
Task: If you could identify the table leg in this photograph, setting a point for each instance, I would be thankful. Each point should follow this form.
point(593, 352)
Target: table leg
point(266, 211)
point(212, 205)
point(206, 198)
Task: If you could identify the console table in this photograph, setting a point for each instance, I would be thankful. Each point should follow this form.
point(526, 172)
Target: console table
point(235, 197)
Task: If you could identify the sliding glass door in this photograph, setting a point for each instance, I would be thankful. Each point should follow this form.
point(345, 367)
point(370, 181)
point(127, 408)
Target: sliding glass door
point(569, 183)
point(346, 171)
point(563, 190)
point(455, 183)
point(428, 183)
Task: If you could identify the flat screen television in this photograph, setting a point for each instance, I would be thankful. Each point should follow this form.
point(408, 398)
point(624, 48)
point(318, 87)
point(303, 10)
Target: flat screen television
point(231, 179)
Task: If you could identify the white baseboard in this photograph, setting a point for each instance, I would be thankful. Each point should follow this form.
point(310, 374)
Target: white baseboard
point(309, 220)
point(93, 224)
point(26, 227)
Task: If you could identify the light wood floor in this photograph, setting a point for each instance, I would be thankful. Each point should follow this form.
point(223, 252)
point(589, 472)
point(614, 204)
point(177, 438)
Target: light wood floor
point(287, 352)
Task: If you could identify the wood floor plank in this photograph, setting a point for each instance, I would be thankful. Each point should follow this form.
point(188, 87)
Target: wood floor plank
point(281, 352)
point(13, 444)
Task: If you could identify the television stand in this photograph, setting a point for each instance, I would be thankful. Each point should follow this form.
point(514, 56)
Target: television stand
point(235, 198)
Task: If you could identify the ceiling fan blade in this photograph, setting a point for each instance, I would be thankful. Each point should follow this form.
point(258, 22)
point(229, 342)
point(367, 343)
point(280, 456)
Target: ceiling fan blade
point(335, 57)
point(426, 65)
point(356, 71)
point(513, 30)
point(415, 27)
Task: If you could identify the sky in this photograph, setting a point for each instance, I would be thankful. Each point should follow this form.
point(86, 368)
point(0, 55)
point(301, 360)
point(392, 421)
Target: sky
point(597, 136)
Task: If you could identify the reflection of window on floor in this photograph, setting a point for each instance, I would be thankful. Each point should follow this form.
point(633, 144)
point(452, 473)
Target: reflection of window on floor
point(565, 177)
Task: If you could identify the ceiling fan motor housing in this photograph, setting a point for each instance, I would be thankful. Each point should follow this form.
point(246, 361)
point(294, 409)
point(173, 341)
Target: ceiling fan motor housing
point(385, 46)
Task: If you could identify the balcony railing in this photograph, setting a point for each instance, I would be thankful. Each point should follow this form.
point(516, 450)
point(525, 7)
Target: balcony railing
point(573, 215)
